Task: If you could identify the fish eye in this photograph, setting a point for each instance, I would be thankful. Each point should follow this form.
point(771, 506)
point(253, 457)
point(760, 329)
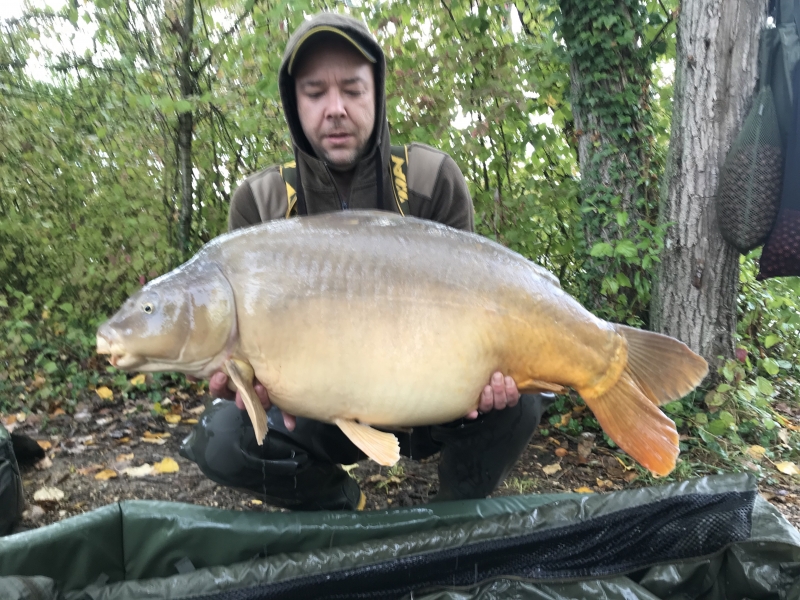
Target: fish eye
point(148, 307)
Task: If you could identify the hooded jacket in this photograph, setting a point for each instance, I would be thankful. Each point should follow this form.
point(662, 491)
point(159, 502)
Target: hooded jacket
point(436, 187)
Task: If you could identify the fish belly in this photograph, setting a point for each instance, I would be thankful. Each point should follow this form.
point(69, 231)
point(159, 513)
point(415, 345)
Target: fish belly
point(381, 364)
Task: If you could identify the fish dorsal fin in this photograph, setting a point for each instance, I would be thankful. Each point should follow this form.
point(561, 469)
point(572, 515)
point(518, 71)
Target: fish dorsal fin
point(380, 446)
point(242, 375)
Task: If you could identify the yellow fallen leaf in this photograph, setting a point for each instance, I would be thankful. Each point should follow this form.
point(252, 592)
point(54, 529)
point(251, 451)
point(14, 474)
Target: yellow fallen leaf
point(57, 412)
point(156, 441)
point(104, 393)
point(788, 468)
point(256, 502)
point(189, 421)
point(756, 452)
point(551, 469)
point(565, 419)
point(48, 494)
point(90, 469)
point(138, 380)
point(168, 465)
point(106, 474)
point(172, 418)
point(155, 436)
point(21, 416)
point(44, 444)
point(124, 457)
point(584, 490)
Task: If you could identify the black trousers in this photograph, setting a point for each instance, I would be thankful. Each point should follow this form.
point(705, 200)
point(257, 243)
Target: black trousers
point(301, 469)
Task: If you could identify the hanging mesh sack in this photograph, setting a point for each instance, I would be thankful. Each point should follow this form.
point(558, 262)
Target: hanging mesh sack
point(749, 190)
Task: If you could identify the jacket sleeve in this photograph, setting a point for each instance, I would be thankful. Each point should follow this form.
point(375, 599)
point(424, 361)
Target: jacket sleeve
point(451, 202)
point(261, 197)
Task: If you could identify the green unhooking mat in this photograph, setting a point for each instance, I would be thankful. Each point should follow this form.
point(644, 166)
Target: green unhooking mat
point(710, 538)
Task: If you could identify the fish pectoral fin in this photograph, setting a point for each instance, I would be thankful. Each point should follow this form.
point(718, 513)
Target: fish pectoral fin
point(637, 425)
point(242, 375)
point(380, 446)
point(536, 386)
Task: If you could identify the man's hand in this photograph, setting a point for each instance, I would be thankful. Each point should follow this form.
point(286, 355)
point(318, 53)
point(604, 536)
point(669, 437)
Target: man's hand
point(218, 388)
point(501, 392)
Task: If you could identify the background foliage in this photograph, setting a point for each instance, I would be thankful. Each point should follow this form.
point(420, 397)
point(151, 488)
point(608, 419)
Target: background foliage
point(557, 112)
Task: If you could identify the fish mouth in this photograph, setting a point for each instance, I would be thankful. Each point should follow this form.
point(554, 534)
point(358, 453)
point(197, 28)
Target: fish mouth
point(118, 357)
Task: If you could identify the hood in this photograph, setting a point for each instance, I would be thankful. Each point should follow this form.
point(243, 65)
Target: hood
point(379, 145)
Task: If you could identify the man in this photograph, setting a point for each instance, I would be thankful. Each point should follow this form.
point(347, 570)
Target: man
point(332, 83)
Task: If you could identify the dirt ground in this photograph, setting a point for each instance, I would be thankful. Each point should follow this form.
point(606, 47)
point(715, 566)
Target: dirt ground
point(107, 451)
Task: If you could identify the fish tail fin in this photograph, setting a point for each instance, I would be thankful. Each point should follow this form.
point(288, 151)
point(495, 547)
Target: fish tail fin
point(637, 425)
point(664, 368)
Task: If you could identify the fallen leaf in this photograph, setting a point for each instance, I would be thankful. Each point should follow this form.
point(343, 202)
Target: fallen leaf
point(57, 412)
point(33, 513)
point(551, 469)
point(584, 490)
point(104, 393)
point(106, 474)
point(767, 495)
point(123, 440)
point(156, 441)
point(124, 457)
point(141, 471)
point(90, 469)
point(172, 419)
point(630, 476)
point(788, 468)
point(9, 420)
point(606, 483)
point(256, 502)
point(561, 452)
point(565, 419)
point(554, 441)
point(21, 416)
point(151, 435)
point(43, 464)
point(138, 380)
point(44, 444)
point(756, 452)
point(197, 409)
point(189, 421)
point(168, 465)
point(48, 494)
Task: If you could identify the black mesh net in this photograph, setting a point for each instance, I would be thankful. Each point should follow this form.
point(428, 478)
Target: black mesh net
point(674, 529)
point(749, 190)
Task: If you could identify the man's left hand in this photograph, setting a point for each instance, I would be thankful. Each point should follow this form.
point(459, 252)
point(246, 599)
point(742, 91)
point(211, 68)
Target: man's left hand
point(501, 392)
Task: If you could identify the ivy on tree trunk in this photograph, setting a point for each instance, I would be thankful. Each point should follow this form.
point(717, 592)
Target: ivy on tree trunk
point(611, 94)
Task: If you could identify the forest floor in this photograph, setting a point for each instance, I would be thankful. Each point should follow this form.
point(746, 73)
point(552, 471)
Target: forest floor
point(108, 451)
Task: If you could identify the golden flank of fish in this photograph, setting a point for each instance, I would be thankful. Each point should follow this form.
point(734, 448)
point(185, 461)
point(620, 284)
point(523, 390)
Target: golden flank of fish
point(368, 319)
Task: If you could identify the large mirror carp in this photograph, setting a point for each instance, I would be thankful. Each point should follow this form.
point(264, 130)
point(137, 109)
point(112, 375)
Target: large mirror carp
point(369, 319)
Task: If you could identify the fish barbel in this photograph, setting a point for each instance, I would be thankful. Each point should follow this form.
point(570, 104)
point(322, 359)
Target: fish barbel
point(365, 319)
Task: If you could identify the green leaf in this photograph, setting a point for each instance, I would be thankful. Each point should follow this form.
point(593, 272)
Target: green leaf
point(718, 427)
point(771, 340)
point(50, 367)
point(764, 386)
point(770, 366)
point(602, 249)
point(183, 106)
point(626, 248)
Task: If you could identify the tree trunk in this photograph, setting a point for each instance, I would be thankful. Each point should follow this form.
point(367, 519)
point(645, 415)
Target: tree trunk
point(610, 78)
point(717, 52)
point(188, 85)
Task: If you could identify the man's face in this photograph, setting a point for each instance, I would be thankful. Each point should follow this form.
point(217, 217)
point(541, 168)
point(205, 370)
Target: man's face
point(335, 89)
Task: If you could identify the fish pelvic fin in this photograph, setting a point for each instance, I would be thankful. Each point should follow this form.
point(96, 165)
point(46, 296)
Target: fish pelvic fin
point(242, 375)
point(536, 386)
point(637, 425)
point(380, 446)
point(664, 368)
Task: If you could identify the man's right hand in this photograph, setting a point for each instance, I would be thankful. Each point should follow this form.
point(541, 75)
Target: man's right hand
point(218, 388)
